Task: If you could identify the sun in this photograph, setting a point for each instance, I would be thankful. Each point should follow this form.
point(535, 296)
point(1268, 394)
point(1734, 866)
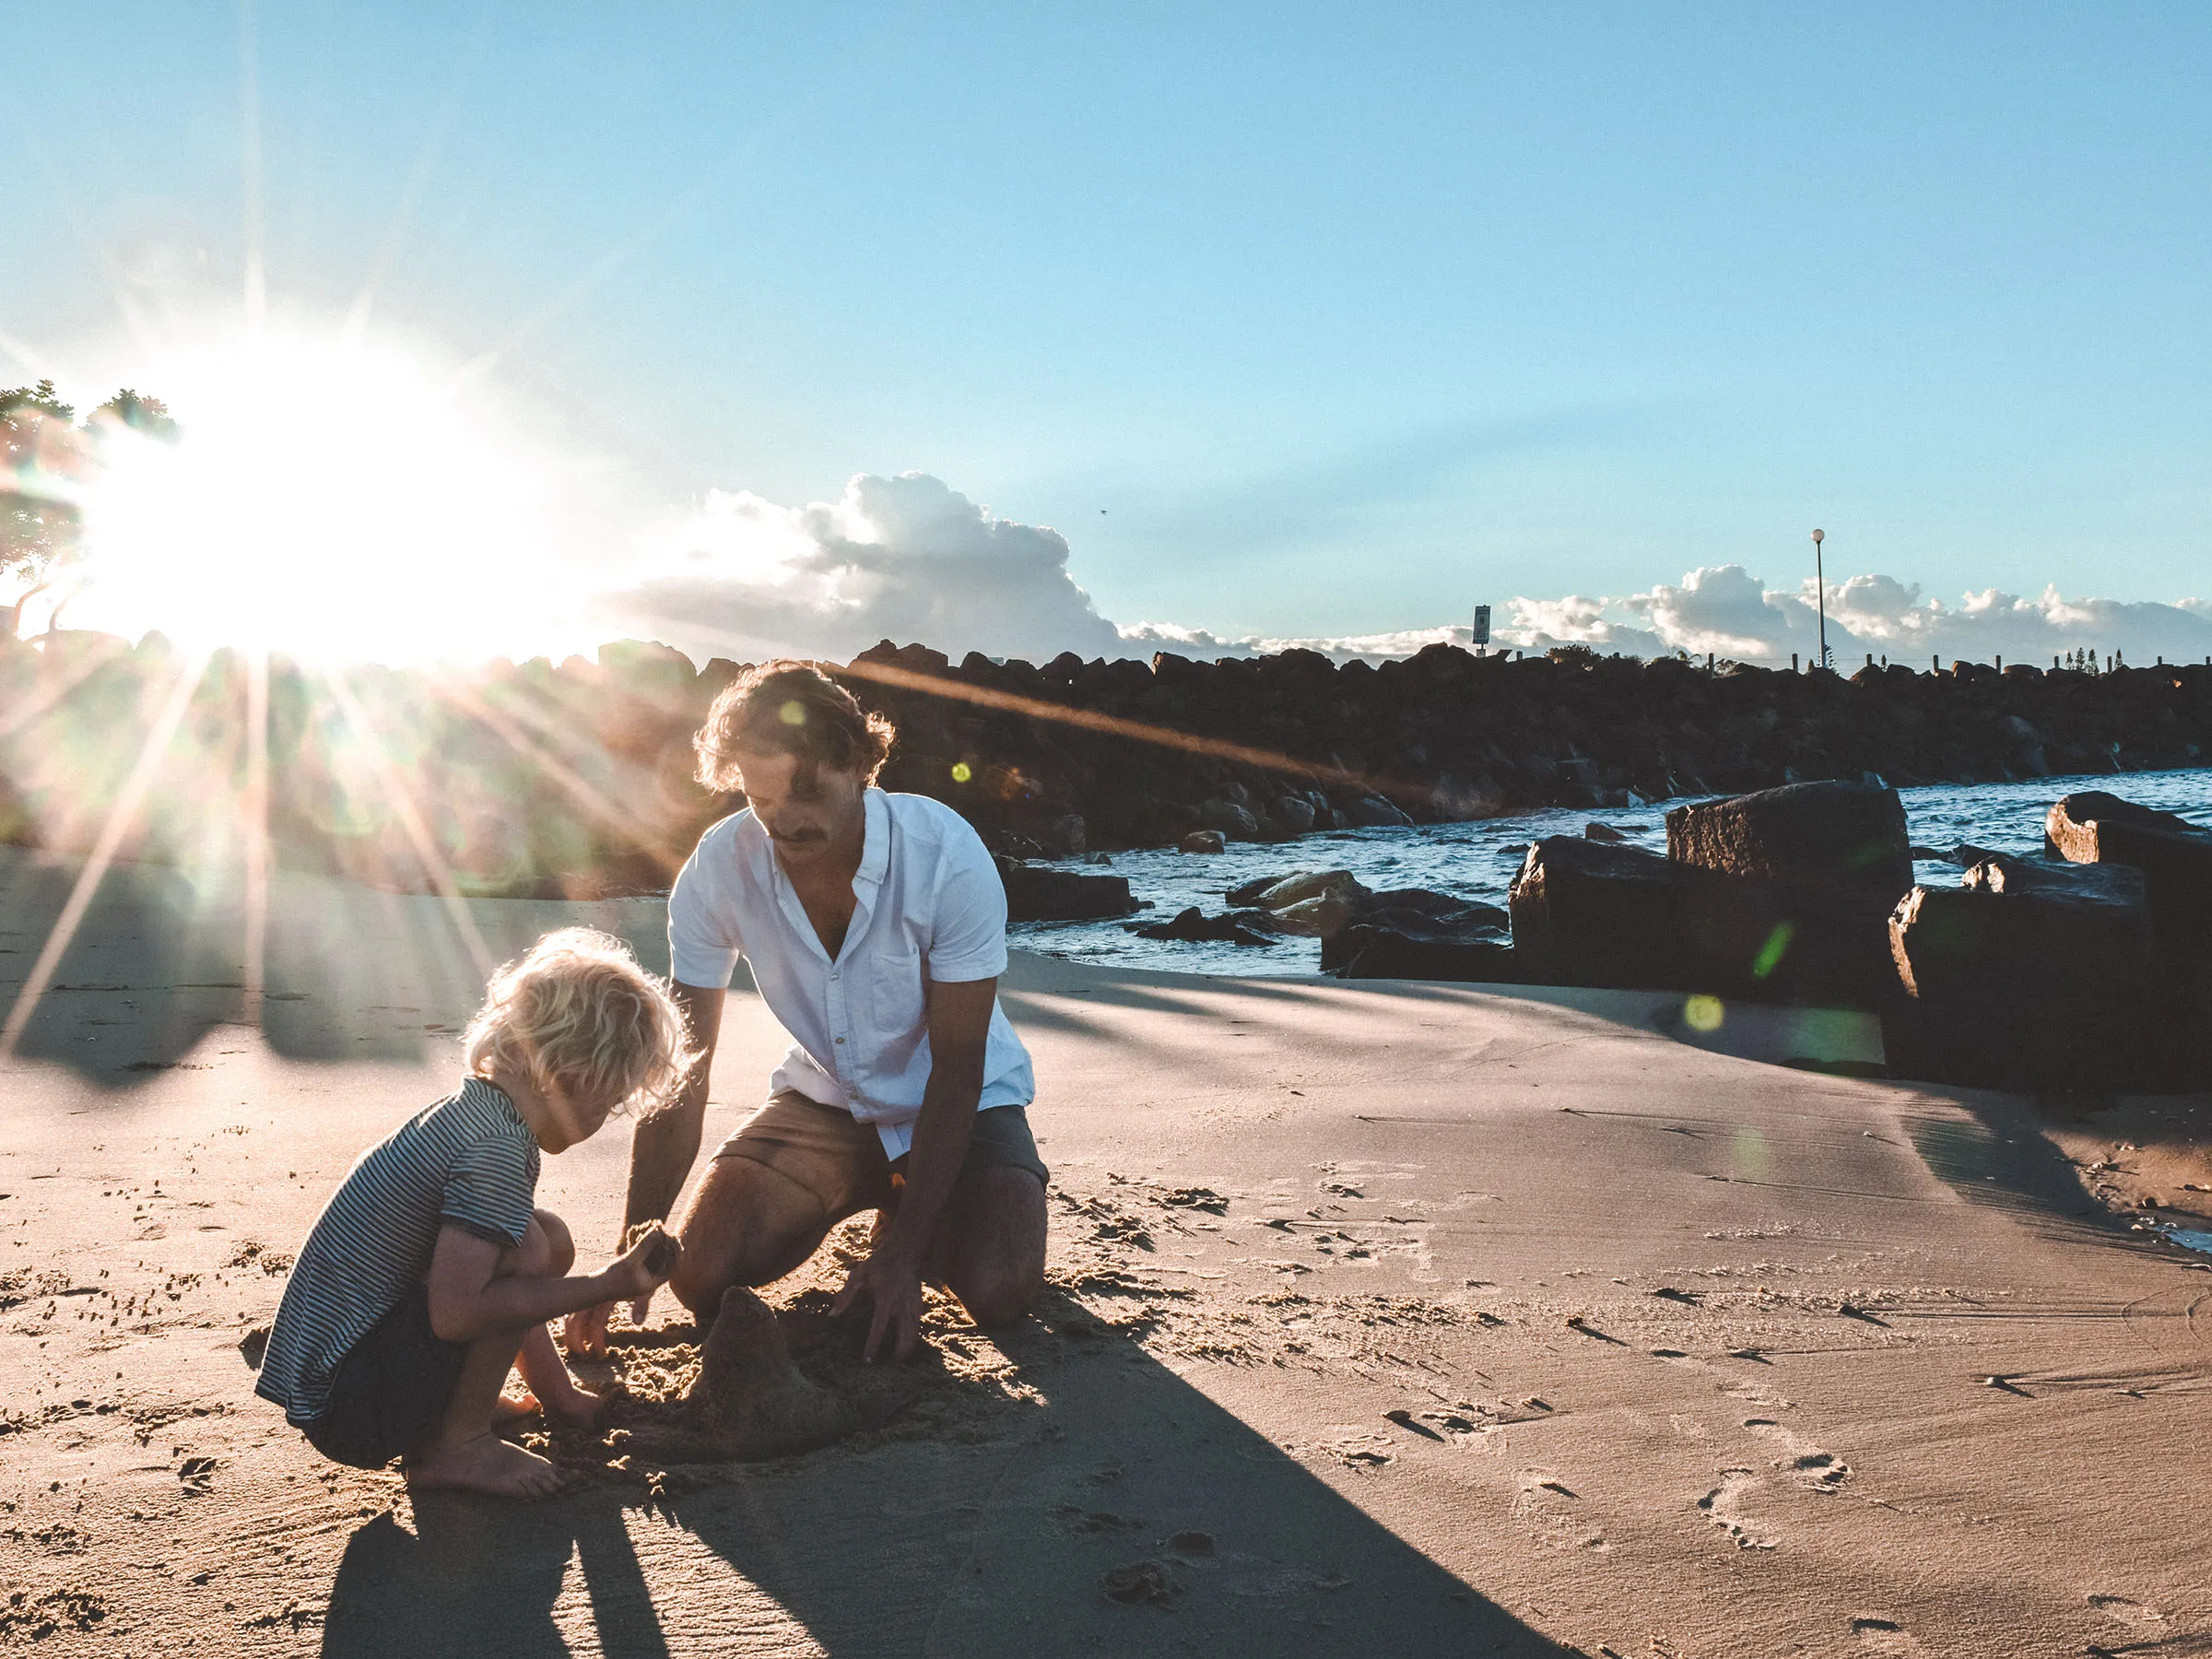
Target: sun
point(328, 497)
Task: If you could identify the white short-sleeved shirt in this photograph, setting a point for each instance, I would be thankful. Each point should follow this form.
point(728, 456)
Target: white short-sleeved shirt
point(930, 906)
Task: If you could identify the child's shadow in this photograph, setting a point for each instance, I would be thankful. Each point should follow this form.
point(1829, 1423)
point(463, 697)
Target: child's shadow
point(477, 1578)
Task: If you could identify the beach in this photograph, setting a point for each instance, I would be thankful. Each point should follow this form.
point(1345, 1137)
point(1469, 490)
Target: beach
point(1381, 1317)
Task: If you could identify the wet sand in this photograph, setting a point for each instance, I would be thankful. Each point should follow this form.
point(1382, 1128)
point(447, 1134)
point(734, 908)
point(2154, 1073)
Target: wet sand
point(1381, 1318)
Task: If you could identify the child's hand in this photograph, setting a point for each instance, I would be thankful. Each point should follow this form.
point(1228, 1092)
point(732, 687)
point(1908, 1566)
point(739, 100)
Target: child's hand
point(645, 1266)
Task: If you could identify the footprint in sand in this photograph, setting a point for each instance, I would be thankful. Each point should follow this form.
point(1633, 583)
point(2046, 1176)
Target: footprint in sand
point(1814, 1469)
point(1460, 1423)
point(1552, 1513)
point(2128, 1611)
point(1880, 1635)
point(1355, 1448)
point(1724, 1506)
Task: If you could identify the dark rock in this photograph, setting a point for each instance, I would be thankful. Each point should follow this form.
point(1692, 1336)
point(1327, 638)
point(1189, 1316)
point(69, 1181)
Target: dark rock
point(1412, 933)
point(1365, 951)
point(1966, 855)
point(1248, 893)
point(1035, 895)
point(1229, 818)
point(1203, 840)
point(2034, 974)
point(2174, 855)
point(1588, 912)
point(1602, 832)
point(1195, 927)
point(1460, 800)
point(1066, 836)
point(1785, 894)
point(913, 659)
point(1843, 843)
point(1373, 812)
point(1434, 907)
point(1292, 816)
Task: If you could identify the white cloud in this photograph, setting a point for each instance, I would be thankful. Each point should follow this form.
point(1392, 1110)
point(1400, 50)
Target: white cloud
point(905, 559)
point(910, 558)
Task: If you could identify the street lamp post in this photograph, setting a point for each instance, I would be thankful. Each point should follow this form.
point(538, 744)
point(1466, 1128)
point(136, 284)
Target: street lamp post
point(1820, 594)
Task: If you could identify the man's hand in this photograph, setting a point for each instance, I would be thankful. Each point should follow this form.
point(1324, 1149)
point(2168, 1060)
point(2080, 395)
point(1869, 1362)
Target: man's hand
point(892, 1282)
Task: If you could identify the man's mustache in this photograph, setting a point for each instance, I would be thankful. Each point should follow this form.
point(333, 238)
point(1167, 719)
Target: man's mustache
point(797, 838)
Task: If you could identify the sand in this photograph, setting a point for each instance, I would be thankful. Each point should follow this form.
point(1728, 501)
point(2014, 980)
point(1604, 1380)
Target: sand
point(1383, 1319)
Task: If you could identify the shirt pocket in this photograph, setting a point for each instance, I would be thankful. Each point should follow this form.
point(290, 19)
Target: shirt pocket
point(896, 999)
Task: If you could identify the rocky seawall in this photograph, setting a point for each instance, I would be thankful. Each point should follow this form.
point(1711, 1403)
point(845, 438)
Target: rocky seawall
point(1269, 747)
point(574, 778)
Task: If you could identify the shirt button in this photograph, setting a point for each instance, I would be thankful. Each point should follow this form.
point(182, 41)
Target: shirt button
point(841, 1039)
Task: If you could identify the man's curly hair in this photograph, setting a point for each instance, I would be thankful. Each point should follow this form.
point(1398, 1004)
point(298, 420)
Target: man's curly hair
point(790, 708)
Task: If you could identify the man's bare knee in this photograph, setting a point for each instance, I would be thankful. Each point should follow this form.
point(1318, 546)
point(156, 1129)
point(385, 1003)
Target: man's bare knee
point(998, 1299)
point(746, 1224)
point(998, 1248)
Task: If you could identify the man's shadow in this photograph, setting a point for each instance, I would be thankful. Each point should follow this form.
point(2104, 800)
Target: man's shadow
point(1101, 1504)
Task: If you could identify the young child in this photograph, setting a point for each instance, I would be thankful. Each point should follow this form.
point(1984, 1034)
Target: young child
point(430, 1274)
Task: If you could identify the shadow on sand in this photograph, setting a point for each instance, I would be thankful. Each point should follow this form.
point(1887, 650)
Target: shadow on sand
point(159, 960)
point(1105, 1472)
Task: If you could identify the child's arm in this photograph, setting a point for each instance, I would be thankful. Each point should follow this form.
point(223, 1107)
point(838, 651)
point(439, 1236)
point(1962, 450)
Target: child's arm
point(470, 1298)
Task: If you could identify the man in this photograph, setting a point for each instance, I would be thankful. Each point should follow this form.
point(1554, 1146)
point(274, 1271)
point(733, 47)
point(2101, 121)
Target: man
point(875, 924)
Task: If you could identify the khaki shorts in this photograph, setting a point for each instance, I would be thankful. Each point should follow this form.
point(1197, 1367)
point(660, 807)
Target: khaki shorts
point(842, 1161)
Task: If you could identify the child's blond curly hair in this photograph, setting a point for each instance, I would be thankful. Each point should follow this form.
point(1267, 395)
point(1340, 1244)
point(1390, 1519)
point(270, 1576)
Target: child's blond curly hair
point(578, 1014)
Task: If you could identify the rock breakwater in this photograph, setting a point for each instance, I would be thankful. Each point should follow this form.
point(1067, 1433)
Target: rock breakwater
point(575, 778)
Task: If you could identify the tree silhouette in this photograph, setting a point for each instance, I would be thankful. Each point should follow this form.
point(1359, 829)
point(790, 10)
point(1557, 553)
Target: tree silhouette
point(140, 413)
point(39, 528)
point(44, 454)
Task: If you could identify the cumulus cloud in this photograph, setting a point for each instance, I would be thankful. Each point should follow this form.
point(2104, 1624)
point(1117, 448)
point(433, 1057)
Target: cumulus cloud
point(901, 558)
point(910, 559)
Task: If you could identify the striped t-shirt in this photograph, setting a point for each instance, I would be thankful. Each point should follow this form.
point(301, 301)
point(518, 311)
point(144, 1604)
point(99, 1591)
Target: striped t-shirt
point(469, 1161)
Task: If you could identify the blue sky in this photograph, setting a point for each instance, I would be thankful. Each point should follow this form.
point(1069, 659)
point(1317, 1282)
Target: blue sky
point(1348, 317)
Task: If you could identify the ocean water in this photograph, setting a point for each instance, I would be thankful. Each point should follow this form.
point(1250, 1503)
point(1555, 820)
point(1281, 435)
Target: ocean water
point(1477, 861)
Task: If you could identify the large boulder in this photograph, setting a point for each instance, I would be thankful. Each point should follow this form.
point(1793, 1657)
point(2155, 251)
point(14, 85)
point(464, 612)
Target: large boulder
point(2175, 856)
point(1039, 895)
point(2033, 975)
point(1248, 894)
point(1068, 836)
point(1230, 817)
point(1785, 894)
point(1301, 885)
point(1311, 904)
point(1410, 933)
point(1364, 951)
point(1589, 912)
point(1842, 844)
point(1373, 812)
point(1193, 926)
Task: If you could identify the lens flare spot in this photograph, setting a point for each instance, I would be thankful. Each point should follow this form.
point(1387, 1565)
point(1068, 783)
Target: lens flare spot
point(961, 771)
point(1771, 954)
point(1704, 1013)
point(793, 713)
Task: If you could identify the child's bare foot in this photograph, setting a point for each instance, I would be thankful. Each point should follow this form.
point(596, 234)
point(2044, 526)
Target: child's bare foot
point(484, 1463)
point(578, 1407)
point(514, 1408)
